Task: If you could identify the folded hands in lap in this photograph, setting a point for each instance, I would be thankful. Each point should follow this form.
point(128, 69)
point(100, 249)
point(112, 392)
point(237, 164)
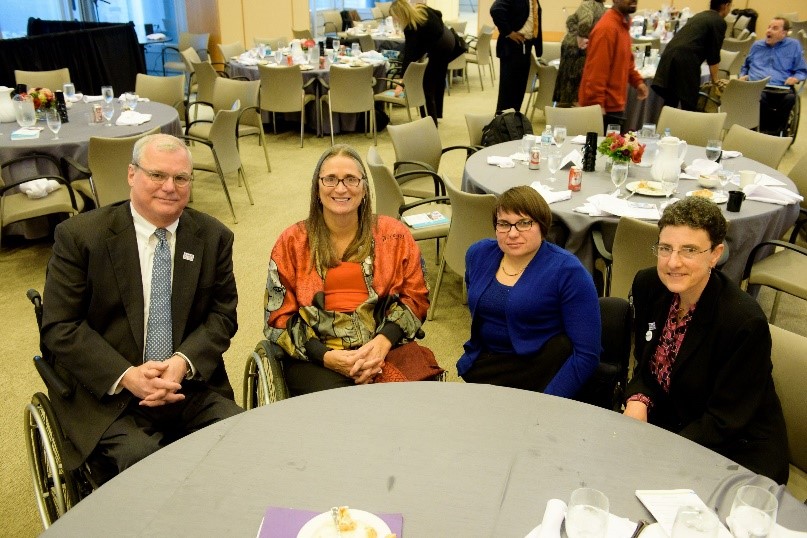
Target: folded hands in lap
point(156, 383)
point(360, 364)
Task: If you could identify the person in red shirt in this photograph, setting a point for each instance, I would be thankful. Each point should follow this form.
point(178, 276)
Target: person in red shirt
point(609, 64)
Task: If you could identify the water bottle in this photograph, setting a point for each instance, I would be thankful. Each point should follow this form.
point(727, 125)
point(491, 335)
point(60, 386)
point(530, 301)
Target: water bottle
point(546, 137)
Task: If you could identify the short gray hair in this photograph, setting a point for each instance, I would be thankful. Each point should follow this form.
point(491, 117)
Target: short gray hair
point(160, 142)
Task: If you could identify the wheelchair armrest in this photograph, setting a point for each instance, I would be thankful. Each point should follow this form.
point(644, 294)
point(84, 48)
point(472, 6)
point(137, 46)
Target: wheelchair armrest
point(52, 379)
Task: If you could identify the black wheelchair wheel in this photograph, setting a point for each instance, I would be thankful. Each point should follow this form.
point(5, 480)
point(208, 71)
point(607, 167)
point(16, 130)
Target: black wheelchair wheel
point(264, 382)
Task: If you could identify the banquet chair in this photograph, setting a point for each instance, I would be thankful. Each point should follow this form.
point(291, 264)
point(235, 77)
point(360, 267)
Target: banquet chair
point(471, 220)
point(789, 357)
point(606, 387)
point(784, 271)
point(418, 147)
point(740, 102)
point(274, 42)
point(16, 206)
point(578, 120)
point(475, 124)
point(103, 179)
point(198, 42)
point(543, 97)
point(458, 26)
point(384, 7)
point(457, 64)
point(166, 90)
point(223, 157)
point(730, 19)
point(551, 51)
point(53, 80)
point(481, 56)
point(304, 34)
point(797, 26)
point(741, 25)
point(697, 128)
point(739, 45)
point(366, 43)
point(205, 76)
point(350, 89)
point(412, 83)
point(532, 82)
point(730, 62)
point(630, 253)
point(229, 51)
point(190, 58)
point(283, 90)
point(764, 148)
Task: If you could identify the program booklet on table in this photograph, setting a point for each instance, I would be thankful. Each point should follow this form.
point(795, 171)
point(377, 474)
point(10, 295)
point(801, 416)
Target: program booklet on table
point(423, 220)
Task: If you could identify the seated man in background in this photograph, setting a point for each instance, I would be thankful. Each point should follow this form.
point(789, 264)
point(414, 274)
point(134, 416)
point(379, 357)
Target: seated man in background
point(781, 58)
point(139, 306)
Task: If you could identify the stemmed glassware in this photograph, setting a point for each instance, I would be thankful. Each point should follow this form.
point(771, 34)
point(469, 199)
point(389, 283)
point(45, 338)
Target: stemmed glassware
point(619, 174)
point(553, 163)
point(753, 513)
point(54, 122)
point(724, 175)
point(713, 149)
point(108, 93)
point(587, 516)
point(108, 110)
point(559, 133)
point(131, 100)
point(669, 182)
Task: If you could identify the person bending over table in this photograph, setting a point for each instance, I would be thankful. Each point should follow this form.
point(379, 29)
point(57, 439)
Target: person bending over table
point(703, 347)
point(573, 51)
point(344, 285)
point(139, 306)
point(535, 316)
point(781, 58)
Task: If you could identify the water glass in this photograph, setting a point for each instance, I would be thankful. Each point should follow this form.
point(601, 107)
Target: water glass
point(753, 513)
point(713, 149)
point(613, 128)
point(638, 58)
point(619, 174)
point(278, 56)
point(24, 110)
point(526, 143)
point(695, 522)
point(669, 182)
point(724, 175)
point(355, 50)
point(108, 110)
point(108, 93)
point(69, 90)
point(54, 122)
point(131, 100)
point(648, 130)
point(587, 516)
point(559, 132)
point(553, 162)
point(335, 45)
point(650, 148)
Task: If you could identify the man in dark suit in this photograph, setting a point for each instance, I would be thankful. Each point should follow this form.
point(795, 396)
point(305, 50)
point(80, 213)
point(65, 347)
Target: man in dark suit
point(139, 305)
point(519, 24)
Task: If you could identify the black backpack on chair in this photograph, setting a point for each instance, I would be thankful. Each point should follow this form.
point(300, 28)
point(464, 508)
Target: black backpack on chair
point(509, 125)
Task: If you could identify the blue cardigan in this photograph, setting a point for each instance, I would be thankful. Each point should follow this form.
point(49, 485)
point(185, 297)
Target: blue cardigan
point(554, 295)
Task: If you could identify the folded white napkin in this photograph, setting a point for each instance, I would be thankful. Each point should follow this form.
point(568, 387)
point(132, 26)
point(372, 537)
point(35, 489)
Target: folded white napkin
point(122, 99)
point(131, 117)
point(765, 179)
point(729, 154)
point(573, 157)
point(93, 98)
point(501, 162)
point(605, 204)
point(39, 188)
point(372, 57)
point(771, 194)
point(549, 195)
point(553, 518)
point(579, 139)
point(702, 167)
point(156, 36)
point(78, 96)
point(247, 60)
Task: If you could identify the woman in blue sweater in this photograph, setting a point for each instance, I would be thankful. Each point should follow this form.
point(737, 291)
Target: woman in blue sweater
point(535, 319)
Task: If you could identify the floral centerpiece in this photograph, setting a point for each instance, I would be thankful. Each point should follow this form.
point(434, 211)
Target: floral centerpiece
point(307, 44)
point(43, 98)
point(622, 148)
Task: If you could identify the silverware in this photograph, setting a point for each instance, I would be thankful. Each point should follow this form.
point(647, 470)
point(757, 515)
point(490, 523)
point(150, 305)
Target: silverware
point(640, 526)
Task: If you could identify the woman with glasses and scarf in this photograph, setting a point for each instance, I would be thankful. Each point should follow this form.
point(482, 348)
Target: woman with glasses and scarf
point(703, 347)
point(344, 285)
point(535, 317)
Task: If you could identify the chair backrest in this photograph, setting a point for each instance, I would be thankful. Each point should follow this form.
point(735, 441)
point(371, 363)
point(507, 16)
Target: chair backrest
point(471, 220)
point(797, 26)
point(551, 51)
point(728, 59)
point(302, 34)
point(384, 7)
point(458, 26)
point(475, 123)
point(108, 160)
point(228, 50)
point(197, 42)
point(417, 140)
point(696, 128)
point(273, 42)
point(376, 13)
point(483, 48)
point(761, 147)
point(739, 45)
point(740, 102)
point(53, 80)
point(190, 57)
point(205, 75)
point(631, 252)
point(388, 195)
point(547, 77)
point(532, 76)
point(366, 43)
point(223, 137)
point(331, 21)
point(741, 24)
point(578, 120)
point(799, 176)
point(227, 91)
point(789, 357)
point(166, 90)
point(351, 88)
point(281, 88)
point(413, 82)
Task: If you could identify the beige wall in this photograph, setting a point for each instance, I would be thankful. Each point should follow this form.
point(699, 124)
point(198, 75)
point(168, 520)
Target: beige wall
point(242, 20)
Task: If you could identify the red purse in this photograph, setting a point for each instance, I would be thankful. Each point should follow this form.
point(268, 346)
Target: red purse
point(409, 362)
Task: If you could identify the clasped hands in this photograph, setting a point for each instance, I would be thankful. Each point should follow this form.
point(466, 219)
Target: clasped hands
point(156, 383)
point(362, 364)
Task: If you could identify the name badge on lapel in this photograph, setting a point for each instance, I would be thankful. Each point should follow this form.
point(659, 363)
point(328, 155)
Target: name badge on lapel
point(650, 328)
point(187, 256)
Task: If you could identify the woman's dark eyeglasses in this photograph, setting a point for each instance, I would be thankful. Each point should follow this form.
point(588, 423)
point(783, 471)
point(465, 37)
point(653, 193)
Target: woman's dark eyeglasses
point(180, 180)
point(348, 181)
point(504, 227)
point(665, 251)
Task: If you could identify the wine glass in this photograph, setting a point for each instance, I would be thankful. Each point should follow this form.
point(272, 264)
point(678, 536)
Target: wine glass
point(131, 100)
point(724, 175)
point(553, 163)
point(108, 110)
point(753, 513)
point(108, 93)
point(335, 45)
point(619, 173)
point(54, 122)
point(587, 516)
point(695, 522)
point(669, 182)
point(559, 132)
point(713, 150)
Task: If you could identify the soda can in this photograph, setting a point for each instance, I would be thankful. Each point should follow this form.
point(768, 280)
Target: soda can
point(575, 178)
point(97, 114)
point(535, 157)
point(322, 62)
point(289, 60)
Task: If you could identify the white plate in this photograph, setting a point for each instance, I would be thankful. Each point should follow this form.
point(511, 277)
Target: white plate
point(717, 197)
point(653, 188)
point(321, 526)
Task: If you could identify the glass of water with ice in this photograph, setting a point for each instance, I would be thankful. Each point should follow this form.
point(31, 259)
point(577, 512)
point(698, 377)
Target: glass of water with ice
point(753, 513)
point(587, 516)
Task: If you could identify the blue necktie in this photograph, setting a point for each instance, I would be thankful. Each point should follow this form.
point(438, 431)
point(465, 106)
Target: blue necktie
point(159, 344)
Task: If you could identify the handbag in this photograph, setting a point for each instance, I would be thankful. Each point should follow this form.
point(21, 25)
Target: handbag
point(409, 362)
point(460, 46)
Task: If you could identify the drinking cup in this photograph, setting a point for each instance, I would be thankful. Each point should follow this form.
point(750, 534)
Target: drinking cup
point(587, 516)
point(735, 201)
point(648, 130)
point(69, 90)
point(613, 128)
point(355, 50)
point(753, 513)
point(747, 177)
point(526, 143)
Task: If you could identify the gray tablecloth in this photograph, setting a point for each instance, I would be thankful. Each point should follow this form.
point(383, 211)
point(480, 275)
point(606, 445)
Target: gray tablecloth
point(455, 459)
point(756, 222)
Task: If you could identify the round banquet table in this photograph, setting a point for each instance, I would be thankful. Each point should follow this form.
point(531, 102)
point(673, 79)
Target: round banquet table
point(454, 459)
point(74, 136)
point(755, 222)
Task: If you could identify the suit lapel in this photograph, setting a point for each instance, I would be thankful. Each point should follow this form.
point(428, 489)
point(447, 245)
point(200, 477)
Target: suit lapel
point(188, 256)
point(124, 259)
point(701, 323)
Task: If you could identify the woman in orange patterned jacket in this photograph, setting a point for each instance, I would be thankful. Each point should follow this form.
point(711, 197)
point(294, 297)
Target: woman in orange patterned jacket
point(344, 285)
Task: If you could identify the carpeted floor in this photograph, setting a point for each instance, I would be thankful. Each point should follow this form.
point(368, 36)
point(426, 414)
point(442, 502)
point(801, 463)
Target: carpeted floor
point(281, 198)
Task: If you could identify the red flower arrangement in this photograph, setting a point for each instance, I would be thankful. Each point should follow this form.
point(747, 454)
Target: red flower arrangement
point(622, 148)
point(43, 98)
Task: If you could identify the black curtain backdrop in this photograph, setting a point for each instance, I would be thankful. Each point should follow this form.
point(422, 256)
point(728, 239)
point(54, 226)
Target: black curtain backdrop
point(97, 55)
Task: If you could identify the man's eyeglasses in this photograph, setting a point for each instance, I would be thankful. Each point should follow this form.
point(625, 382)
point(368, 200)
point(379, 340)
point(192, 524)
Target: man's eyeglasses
point(180, 180)
point(347, 181)
point(503, 226)
point(665, 251)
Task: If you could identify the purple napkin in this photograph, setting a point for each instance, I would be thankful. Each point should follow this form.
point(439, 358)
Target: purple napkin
point(287, 522)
